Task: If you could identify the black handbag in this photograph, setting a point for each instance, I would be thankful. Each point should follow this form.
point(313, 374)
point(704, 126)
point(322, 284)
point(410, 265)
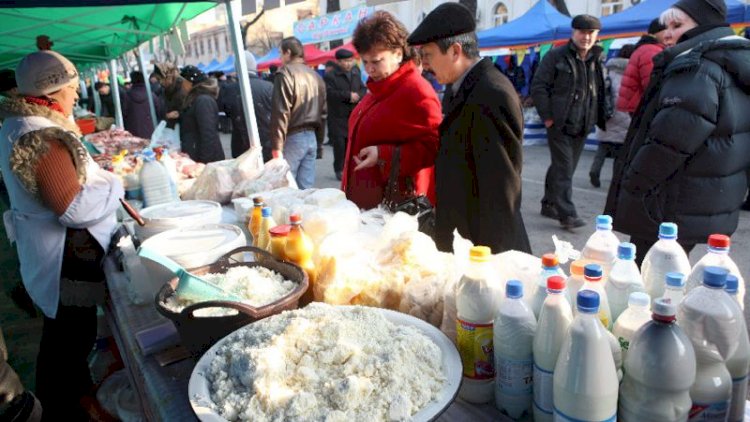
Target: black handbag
point(397, 200)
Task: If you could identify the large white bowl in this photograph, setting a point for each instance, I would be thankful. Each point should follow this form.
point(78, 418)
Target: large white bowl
point(200, 397)
point(177, 215)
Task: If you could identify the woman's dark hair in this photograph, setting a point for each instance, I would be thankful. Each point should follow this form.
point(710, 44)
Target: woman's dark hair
point(626, 51)
point(382, 30)
point(136, 77)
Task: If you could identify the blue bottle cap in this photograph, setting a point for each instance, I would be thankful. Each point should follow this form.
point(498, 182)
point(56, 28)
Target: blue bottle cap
point(592, 271)
point(265, 212)
point(603, 222)
point(588, 301)
point(148, 155)
point(732, 284)
point(626, 251)
point(514, 289)
point(675, 279)
point(668, 231)
point(715, 276)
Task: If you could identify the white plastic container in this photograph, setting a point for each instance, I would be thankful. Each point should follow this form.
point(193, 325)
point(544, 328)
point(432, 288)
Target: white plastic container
point(664, 257)
point(553, 325)
point(477, 297)
point(636, 316)
point(513, 339)
point(717, 255)
point(550, 267)
point(660, 368)
point(155, 181)
point(593, 275)
point(739, 363)
point(177, 215)
point(674, 288)
point(624, 279)
point(602, 245)
point(585, 379)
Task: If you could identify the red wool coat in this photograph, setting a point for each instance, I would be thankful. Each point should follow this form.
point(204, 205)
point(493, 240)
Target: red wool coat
point(402, 110)
point(636, 77)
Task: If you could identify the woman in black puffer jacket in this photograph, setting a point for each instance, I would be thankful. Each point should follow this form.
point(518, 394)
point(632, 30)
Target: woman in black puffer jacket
point(199, 118)
point(688, 147)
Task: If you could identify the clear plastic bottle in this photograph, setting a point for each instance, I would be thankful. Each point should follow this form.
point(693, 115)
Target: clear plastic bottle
point(593, 275)
point(155, 181)
point(717, 255)
point(739, 363)
point(631, 320)
point(513, 340)
point(476, 306)
point(550, 267)
point(552, 327)
point(660, 368)
point(674, 288)
point(624, 279)
point(256, 216)
point(602, 245)
point(267, 223)
point(665, 256)
point(576, 279)
point(585, 379)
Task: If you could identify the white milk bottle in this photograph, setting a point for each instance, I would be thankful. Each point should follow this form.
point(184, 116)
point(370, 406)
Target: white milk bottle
point(602, 245)
point(513, 337)
point(739, 363)
point(476, 305)
point(709, 317)
point(665, 256)
point(717, 255)
point(624, 279)
point(550, 267)
point(554, 321)
point(631, 320)
point(155, 181)
point(659, 371)
point(585, 379)
point(576, 279)
point(674, 288)
point(593, 275)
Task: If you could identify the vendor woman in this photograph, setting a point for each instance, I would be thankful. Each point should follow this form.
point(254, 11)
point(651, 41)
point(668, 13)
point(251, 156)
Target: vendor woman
point(62, 215)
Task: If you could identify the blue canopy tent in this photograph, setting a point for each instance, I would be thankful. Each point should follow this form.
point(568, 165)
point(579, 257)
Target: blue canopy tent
point(542, 23)
point(228, 65)
point(201, 66)
point(273, 54)
point(212, 66)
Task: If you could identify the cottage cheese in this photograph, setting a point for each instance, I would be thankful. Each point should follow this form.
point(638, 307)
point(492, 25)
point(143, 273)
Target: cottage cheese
point(325, 363)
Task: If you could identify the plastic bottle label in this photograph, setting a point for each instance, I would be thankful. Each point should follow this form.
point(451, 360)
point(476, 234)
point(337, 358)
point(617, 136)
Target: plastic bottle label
point(713, 412)
point(543, 386)
point(559, 416)
point(739, 391)
point(476, 350)
point(514, 376)
point(604, 319)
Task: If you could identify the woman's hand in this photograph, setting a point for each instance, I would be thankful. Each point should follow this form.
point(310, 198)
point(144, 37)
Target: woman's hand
point(366, 158)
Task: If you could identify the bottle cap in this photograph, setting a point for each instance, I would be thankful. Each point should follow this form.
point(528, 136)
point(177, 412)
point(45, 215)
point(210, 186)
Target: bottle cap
point(279, 231)
point(639, 299)
point(588, 301)
point(577, 266)
point(295, 218)
point(626, 251)
point(732, 284)
point(664, 307)
point(675, 279)
point(603, 222)
point(668, 231)
point(265, 212)
point(715, 276)
point(257, 200)
point(719, 241)
point(549, 260)
point(555, 282)
point(480, 253)
point(514, 289)
point(592, 271)
point(148, 155)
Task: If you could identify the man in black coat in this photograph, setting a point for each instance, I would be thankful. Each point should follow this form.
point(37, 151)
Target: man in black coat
point(344, 89)
point(568, 92)
point(478, 167)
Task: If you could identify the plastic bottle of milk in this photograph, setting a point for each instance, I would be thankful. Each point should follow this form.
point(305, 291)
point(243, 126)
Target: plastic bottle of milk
point(554, 321)
point(550, 267)
point(602, 245)
point(674, 288)
point(585, 379)
point(476, 305)
point(709, 317)
point(513, 338)
point(717, 256)
point(659, 371)
point(665, 256)
point(631, 320)
point(624, 279)
point(593, 275)
point(155, 181)
point(739, 363)
point(576, 279)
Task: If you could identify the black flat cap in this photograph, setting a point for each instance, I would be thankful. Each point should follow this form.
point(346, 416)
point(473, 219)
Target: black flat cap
point(446, 20)
point(704, 12)
point(586, 23)
point(343, 53)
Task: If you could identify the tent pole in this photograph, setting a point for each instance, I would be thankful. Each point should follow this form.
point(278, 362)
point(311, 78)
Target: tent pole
point(147, 82)
point(115, 92)
point(238, 45)
point(95, 93)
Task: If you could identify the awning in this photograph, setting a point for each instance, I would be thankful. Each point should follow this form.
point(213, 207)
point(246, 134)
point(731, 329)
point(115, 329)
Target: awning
point(540, 24)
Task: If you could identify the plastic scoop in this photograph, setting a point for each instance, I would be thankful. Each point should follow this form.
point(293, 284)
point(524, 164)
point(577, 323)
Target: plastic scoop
point(190, 286)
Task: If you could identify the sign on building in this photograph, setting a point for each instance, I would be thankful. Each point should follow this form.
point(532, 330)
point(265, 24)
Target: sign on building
point(332, 26)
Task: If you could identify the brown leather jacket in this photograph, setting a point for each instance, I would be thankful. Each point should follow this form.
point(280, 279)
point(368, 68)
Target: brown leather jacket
point(299, 102)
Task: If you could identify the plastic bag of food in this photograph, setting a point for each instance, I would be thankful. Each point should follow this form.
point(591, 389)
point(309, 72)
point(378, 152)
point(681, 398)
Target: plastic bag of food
point(346, 266)
point(249, 165)
point(325, 198)
point(275, 175)
point(424, 297)
point(216, 183)
point(340, 217)
point(461, 249)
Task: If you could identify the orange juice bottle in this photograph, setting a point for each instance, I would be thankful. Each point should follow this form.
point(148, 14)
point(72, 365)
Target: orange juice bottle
point(299, 250)
point(266, 224)
point(278, 241)
point(256, 216)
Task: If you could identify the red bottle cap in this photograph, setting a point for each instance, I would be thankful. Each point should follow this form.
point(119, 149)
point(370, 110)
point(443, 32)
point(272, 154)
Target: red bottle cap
point(549, 260)
point(279, 231)
point(719, 241)
point(295, 218)
point(556, 282)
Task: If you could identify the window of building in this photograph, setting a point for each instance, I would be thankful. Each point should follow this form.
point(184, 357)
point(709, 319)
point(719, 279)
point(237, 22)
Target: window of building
point(501, 14)
point(610, 7)
point(209, 47)
point(226, 42)
point(216, 44)
point(203, 46)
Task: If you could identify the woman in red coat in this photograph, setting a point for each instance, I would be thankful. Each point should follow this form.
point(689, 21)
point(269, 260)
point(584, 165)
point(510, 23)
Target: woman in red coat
point(400, 110)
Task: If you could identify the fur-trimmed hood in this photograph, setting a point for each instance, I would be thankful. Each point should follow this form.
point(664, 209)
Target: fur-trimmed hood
point(208, 87)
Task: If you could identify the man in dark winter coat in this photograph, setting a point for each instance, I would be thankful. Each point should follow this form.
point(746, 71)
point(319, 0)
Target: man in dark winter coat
point(231, 104)
point(478, 167)
point(137, 113)
point(344, 89)
point(108, 100)
point(688, 148)
point(199, 118)
point(568, 92)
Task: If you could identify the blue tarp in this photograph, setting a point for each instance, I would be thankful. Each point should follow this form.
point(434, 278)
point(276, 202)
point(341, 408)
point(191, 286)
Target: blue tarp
point(201, 66)
point(273, 54)
point(542, 23)
point(228, 65)
point(211, 66)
